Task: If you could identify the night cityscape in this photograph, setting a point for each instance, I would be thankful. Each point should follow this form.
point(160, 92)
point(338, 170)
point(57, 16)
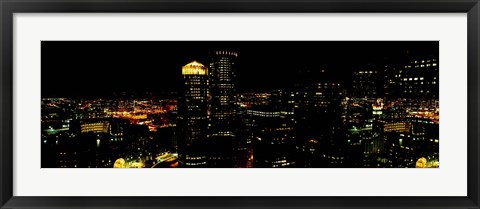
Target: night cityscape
point(240, 104)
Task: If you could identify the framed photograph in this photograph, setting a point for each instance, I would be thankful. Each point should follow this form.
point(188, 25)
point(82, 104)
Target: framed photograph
point(239, 104)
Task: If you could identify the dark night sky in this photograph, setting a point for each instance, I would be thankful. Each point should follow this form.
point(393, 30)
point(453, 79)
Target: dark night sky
point(99, 68)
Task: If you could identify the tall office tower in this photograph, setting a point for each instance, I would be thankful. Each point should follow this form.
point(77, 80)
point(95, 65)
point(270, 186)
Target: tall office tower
point(419, 78)
point(389, 81)
point(316, 99)
point(223, 111)
point(366, 82)
point(192, 116)
point(318, 109)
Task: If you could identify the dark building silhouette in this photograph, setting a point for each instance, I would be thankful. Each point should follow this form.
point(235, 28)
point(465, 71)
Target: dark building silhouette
point(317, 104)
point(283, 100)
point(318, 112)
point(367, 82)
point(273, 137)
point(222, 127)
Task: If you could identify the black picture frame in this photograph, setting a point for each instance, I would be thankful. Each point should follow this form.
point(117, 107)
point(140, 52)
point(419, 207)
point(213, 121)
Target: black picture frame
point(9, 7)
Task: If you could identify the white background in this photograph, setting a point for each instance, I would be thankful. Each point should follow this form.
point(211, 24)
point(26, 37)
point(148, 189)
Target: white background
point(449, 180)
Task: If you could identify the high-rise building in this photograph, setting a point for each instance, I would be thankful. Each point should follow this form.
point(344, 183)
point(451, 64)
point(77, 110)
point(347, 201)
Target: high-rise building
point(418, 78)
point(317, 107)
point(366, 82)
point(318, 112)
point(223, 112)
point(192, 115)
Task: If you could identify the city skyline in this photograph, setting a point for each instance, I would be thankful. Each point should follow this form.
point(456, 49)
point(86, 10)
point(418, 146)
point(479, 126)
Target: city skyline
point(154, 66)
point(242, 105)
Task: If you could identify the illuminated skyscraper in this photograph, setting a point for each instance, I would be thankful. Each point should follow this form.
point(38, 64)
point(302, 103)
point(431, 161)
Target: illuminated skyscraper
point(419, 78)
point(223, 113)
point(193, 109)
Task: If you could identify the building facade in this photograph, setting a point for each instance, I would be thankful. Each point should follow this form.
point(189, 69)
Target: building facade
point(418, 78)
point(192, 115)
point(222, 128)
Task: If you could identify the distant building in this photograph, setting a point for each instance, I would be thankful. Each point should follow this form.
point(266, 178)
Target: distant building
point(389, 81)
point(95, 127)
point(114, 128)
point(419, 78)
point(399, 127)
point(283, 100)
point(367, 83)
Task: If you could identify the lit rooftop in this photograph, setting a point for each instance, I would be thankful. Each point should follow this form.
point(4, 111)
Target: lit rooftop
point(194, 68)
